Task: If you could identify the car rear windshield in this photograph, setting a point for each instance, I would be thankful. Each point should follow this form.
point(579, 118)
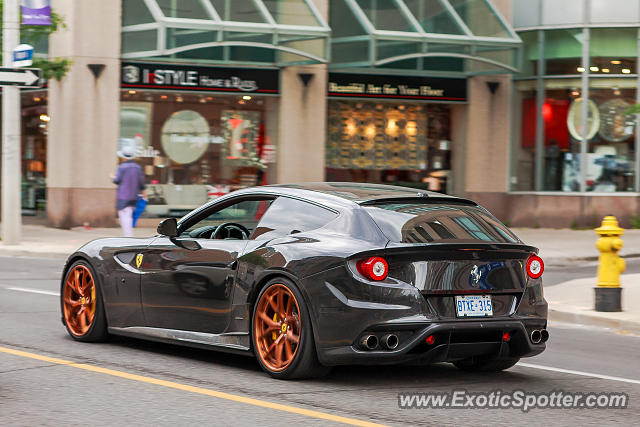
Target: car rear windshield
point(426, 222)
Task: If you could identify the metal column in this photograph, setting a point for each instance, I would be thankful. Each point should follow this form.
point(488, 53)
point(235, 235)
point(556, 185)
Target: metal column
point(11, 141)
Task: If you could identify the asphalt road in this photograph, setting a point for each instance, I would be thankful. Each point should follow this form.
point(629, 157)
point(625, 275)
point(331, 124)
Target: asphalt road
point(46, 378)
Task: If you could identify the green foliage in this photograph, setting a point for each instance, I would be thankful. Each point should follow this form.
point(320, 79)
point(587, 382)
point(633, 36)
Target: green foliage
point(635, 221)
point(634, 109)
point(54, 68)
point(574, 225)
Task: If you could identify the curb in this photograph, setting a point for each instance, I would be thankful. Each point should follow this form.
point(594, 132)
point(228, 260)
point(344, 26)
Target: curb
point(563, 261)
point(594, 320)
point(33, 254)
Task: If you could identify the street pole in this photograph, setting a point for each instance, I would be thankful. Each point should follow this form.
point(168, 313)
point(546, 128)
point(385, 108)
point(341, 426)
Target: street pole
point(11, 146)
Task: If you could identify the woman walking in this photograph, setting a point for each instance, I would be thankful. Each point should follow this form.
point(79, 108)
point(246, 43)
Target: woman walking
point(130, 181)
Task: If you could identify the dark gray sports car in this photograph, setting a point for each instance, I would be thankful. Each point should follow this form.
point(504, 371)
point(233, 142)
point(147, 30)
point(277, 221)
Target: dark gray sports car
point(314, 275)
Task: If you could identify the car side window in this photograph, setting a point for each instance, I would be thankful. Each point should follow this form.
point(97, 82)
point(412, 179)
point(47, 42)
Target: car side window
point(246, 213)
point(289, 216)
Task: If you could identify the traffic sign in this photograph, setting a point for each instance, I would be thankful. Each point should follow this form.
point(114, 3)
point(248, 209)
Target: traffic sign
point(21, 77)
point(23, 55)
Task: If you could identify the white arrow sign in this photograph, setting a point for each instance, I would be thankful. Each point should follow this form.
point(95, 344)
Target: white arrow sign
point(24, 77)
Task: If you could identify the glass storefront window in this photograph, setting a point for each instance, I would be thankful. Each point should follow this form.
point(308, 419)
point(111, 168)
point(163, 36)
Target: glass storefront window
point(35, 121)
point(610, 132)
point(613, 51)
point(194, 147)
point(524, 142)
point(552, 162)
point(563, 51)
point(611, 152)
point(530, 53)
point(388, 142)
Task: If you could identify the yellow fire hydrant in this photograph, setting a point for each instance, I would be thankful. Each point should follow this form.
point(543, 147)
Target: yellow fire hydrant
point(610, 265)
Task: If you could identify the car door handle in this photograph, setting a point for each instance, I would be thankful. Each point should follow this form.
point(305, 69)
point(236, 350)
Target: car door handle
point(232, 265)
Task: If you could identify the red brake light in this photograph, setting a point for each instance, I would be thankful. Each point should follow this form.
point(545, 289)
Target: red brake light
point(535, 266)
point(373, 268)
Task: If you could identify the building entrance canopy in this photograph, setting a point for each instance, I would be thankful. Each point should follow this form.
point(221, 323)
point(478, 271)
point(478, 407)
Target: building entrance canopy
point(452, 36)
point(274, 32)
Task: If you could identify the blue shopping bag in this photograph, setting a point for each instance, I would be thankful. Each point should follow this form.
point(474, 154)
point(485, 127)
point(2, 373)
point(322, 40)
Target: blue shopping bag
point(140, 206)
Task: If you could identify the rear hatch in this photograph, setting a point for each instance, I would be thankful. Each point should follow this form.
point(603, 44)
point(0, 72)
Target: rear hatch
point(465, 262)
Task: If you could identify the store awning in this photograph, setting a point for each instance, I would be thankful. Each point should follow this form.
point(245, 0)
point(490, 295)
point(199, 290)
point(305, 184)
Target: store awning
point(273, 32)
point(440, 36)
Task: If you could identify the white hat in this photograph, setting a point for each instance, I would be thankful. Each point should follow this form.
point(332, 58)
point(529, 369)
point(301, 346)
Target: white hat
point(127, 149)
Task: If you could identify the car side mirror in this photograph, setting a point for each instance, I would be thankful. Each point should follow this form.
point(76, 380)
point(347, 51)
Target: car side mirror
point(168, 227)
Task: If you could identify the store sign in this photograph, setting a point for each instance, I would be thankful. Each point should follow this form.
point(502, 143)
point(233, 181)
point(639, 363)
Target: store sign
point(190, 77)
point(397, 87)
point(185, 136)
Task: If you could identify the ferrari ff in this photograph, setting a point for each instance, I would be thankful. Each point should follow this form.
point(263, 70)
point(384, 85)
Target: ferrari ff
point(314, 275)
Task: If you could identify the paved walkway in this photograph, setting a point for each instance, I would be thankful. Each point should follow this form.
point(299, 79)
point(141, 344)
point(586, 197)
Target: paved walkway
point(571, 301)
point(38, 240)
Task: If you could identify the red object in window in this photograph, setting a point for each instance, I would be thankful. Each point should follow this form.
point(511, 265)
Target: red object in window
point(547, 112)
point(554, 114)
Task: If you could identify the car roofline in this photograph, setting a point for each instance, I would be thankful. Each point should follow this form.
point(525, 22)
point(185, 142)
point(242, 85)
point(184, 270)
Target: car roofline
point(419, 194)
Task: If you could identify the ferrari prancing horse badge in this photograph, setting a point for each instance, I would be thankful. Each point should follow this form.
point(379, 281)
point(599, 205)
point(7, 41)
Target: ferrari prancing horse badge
point(138, 260)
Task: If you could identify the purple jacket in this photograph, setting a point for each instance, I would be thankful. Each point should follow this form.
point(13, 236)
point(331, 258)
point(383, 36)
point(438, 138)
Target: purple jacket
point(130, 180)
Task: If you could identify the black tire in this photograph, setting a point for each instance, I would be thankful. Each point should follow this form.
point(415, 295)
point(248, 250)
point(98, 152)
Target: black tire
point(486, 364)
point(97, 331)
point(305, 363)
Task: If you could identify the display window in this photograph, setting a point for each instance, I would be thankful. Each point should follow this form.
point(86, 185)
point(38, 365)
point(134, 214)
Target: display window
point(197, 147)
point(35, 122)
point(606, 136)
point(389, 142)
point(610, 134)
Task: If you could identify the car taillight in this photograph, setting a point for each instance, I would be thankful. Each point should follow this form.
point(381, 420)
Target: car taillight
point(373, 268)
point(535, 266)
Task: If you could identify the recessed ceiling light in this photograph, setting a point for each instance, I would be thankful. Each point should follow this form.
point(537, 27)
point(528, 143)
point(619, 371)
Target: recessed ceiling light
point(626, 71)
point(581, 69)
point(616, 62)
point(605, 70)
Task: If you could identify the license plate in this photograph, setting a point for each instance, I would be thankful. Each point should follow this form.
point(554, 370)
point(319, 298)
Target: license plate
point(474, 306)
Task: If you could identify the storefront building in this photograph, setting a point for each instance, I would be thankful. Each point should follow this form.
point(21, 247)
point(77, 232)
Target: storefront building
point(216, 95)
point(574, 146)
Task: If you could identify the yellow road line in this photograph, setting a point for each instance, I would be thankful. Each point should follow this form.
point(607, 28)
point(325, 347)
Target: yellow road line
point(192, 389)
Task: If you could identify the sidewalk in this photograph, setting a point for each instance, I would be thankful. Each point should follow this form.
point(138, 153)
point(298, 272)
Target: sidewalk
point(562, 246)
point(38, 240)
point(572, 301)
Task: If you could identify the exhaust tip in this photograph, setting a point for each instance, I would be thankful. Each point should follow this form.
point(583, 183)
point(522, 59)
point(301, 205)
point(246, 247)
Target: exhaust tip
point(369, 342)
point(536, 336)
point(544, 335)
point(390, 341)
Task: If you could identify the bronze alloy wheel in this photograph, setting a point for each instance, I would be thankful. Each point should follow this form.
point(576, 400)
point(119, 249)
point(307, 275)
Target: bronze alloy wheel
point(79, 300)
point(277, 327)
